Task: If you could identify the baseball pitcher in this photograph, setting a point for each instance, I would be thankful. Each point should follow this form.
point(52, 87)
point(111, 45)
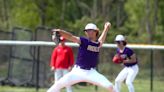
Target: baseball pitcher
point(87, 59)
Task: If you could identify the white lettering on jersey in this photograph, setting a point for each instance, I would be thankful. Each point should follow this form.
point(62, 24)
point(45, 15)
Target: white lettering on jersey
point(93, 48)
point(124, 56)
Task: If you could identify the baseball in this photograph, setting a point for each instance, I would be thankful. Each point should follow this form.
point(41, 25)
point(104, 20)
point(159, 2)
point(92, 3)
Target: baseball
point(108, 24)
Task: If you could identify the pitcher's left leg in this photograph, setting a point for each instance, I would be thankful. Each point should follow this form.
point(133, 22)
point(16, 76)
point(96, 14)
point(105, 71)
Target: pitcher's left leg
point(98, 79)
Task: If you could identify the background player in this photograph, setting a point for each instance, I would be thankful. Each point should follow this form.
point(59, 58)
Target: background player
point(87, 59)
point(62, 60)
point(130, 62)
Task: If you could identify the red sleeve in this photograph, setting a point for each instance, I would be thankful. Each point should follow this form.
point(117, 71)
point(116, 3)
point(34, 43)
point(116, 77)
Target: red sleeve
point(53, 58)
point(71, 57)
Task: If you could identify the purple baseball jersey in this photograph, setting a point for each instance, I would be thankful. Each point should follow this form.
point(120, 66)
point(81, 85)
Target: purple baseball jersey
point(88, 53)
point(127, 53)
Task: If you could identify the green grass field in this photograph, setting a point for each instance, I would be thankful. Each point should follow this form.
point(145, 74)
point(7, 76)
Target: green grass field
point(140, 86)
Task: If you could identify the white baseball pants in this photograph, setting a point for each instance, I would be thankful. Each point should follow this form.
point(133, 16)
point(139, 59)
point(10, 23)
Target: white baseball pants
point(59, 73)
point(80, 75)
point(128, 74)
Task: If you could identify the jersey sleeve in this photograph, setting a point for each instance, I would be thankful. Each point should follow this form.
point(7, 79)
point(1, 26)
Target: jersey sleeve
point(83, 41)
point(53, 58)
point(130, 52)
point(117, 51)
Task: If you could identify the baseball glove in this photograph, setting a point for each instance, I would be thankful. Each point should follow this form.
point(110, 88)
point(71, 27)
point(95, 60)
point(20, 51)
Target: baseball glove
point(117, 59)
point(56, 37)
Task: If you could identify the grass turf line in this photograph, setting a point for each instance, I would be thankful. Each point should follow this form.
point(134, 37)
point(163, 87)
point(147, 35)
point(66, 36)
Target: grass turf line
point(140, 86)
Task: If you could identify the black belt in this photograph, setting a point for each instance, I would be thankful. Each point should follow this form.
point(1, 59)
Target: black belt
point(130, 65)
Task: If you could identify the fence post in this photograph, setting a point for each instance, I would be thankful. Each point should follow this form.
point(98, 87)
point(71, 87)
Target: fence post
point(37, 69)
point(151, 70)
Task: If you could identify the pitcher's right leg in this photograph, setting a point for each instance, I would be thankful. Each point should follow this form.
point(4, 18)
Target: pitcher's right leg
point(99, 80)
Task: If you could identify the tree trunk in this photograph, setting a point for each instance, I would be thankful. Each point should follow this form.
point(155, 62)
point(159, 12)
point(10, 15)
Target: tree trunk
point(62, 13)
point(94, 11)
point(155, 20)
point(148, 24)
point(6, 15)
point(41, 4)
point(118, 14)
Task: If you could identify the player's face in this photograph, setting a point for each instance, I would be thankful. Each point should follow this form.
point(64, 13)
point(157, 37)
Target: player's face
point(119, 44)
point(62, 41)
point(91, 34)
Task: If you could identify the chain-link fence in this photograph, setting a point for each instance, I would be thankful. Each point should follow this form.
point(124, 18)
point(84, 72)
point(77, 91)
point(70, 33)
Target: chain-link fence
point(29, 65)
